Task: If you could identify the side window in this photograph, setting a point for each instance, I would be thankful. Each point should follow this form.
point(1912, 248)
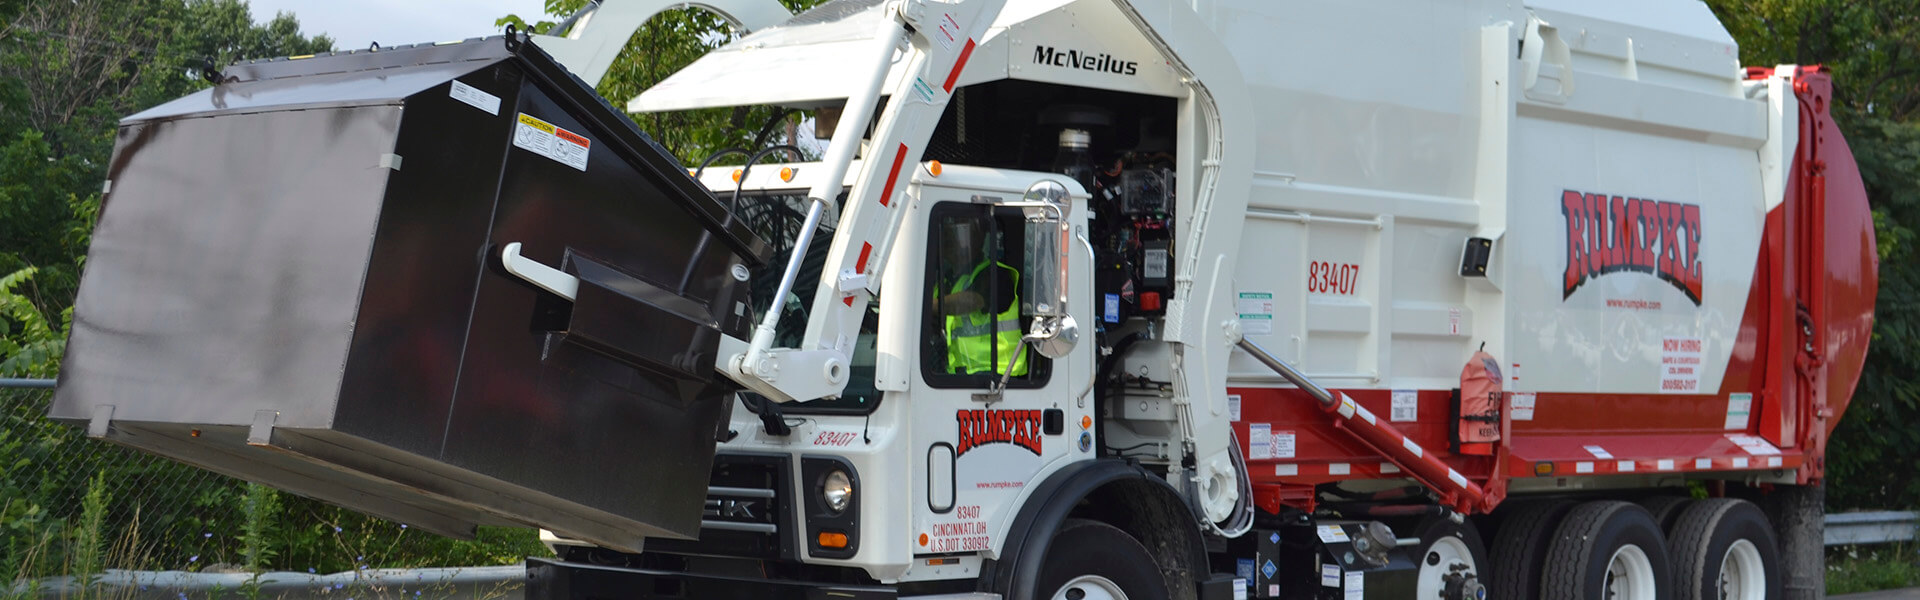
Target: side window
point(973, 319)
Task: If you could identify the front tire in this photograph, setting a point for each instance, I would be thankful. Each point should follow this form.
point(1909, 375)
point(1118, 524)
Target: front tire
point(1090, 560)
point(1607, 550)
point(1453, 562)
point(1724, 548)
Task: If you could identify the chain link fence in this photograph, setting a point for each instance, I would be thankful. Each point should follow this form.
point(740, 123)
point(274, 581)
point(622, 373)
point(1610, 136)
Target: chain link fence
point(73, 504)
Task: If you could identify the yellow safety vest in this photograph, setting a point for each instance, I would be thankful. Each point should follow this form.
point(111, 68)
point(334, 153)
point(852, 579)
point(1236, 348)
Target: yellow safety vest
point(973, 339)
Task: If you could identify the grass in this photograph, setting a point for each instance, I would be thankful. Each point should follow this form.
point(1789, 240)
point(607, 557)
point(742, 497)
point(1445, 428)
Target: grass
point(273, 533)
point(1852, 569)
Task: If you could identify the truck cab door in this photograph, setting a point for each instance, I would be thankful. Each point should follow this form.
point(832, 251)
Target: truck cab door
point(992, 414)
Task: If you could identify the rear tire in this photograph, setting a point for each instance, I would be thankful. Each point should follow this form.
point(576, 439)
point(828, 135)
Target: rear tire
point(1090, 560)
point(1724, 548)
point(1520, 548)
point(1607, 550)
point(1666, 510)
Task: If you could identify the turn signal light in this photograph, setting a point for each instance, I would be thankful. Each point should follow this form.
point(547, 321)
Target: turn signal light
point(933, 167)
point(786, 174)
point(1543, 469)
point(736, 175)
point(833, 539)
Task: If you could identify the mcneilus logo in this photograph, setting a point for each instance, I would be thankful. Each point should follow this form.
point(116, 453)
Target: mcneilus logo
point(1075, 59)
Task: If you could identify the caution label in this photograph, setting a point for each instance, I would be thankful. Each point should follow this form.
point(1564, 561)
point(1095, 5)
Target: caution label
point(545, 139)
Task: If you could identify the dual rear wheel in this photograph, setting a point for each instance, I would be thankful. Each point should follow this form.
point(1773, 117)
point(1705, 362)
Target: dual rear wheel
point(1718, 549)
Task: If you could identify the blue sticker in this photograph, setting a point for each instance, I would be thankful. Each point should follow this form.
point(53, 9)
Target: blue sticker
point(1113, 308)
point(1243, 569)
point(1086, 441)
point(1268, 569)
point(1275, 538)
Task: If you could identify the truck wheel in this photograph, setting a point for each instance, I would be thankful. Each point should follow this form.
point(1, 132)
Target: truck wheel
point(1666, 510)
point(1724, 549)
point(1452, 560)
point(1607, 550)
point(1090, 560)
point(1520, 548)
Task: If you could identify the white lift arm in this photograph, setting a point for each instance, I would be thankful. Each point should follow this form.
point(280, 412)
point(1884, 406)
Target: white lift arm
point(940, 37)
point(588, 46)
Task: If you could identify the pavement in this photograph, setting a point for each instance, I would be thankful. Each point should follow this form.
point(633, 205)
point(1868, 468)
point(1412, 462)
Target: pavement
point(1906, 594)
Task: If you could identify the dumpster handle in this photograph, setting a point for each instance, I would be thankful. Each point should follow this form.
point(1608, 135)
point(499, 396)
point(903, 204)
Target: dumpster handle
point(541, 276)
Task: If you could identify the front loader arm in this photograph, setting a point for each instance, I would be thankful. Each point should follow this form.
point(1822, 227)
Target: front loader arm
point(940, 37)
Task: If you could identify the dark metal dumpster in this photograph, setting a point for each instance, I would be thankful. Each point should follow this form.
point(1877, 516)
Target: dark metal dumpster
point(295, 281)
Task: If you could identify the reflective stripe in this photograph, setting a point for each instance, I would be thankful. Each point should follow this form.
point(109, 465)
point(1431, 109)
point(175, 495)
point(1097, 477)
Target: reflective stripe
point(966, 328)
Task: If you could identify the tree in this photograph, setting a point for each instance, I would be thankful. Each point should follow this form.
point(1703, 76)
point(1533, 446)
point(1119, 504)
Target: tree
point(667, 43)
point(1873, 49)
point(69, 70)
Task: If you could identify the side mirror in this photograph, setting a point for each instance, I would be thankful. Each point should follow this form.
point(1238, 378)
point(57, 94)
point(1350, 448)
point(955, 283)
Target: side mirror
point(1044, 294)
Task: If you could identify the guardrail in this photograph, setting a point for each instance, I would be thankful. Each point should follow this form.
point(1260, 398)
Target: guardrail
point(1878, 527)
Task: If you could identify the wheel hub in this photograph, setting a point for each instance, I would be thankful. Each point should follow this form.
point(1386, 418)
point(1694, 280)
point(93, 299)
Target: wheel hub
point(1089, 587)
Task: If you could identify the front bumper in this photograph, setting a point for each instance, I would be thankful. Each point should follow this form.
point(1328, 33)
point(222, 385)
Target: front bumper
point(555, 580)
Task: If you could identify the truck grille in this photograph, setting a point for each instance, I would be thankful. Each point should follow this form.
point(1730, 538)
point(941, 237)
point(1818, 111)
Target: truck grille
point(746, 513)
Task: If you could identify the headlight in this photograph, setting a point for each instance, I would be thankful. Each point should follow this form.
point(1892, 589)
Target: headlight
point(836, 490)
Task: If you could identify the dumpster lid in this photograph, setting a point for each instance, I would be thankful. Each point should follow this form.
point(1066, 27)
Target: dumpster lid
point(390, 75)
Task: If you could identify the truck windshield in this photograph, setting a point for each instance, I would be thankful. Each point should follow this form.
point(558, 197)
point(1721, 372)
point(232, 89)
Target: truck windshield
point(777, 217)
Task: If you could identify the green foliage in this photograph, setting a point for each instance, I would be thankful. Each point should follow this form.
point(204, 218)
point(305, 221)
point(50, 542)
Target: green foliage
point(1856, 569)
point(1873, 50)
point(262, 509)
point(667, 43)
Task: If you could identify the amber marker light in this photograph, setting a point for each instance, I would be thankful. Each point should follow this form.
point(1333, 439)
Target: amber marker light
point(833, 539)
point(786, 174)
point(736, 175)
point(1542, 469)
point(933, 167)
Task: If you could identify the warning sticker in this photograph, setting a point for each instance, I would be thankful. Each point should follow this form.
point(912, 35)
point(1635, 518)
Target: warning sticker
point(543, 138)
point(1282, 446)
point(1739, 407)
point(1522, 406)
point(1330, 534)
point(474, 97)
point(949, 32)
point(1406, 405)
point(1256, 313)
point(1233, 407)
point(1259, 441)
point(1356, 586)
point(1680, 364)
point(1753, 444)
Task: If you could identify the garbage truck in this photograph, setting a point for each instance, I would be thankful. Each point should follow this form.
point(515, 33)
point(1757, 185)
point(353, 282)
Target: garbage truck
point(1077, 299)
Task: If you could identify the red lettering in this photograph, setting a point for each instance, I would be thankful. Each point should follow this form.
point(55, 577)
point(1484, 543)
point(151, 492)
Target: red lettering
point(976, 428)
point(1570, 207)
point(1690, 277)
point(1596, 214)
point(1607, 234)
point(1620, 254)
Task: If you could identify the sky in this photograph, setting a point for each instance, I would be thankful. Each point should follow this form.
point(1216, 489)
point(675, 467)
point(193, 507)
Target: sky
point(360, 23)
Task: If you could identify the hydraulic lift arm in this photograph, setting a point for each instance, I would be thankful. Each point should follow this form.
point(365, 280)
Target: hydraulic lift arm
point(940, 38)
